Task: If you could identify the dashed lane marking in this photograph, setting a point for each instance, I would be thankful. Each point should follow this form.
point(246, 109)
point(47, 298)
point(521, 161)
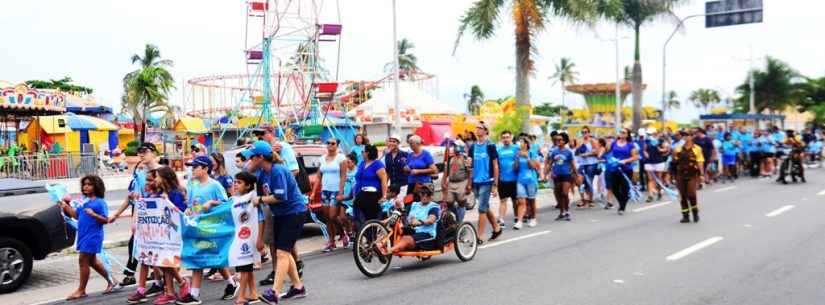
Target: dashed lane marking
point(779, 211)
point(724, 189)
point(507, 241)
point(652, 206)
point(690, 250)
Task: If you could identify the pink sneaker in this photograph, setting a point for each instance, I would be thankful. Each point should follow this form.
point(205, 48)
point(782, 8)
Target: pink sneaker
point(184, 289)
point(345, 241)
point(330, 247)
point(164, 299)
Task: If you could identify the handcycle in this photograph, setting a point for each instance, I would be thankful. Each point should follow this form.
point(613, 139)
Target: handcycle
point(450, 236)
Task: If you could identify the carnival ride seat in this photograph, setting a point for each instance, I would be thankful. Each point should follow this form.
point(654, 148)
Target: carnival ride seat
point(254, 56)
point(328, 32)
point(257, 8)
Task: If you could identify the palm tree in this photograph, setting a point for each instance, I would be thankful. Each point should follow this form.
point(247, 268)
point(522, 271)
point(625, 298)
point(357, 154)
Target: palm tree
point(672, 101)
point(774, 87)
point(704, 98)
point(635, 13)
point(565, 74)
point(530, 18)
point(146, 89)
point(474, 99)
point(407, 61)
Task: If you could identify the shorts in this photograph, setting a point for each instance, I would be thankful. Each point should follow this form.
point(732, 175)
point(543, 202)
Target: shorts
point(456, 192)
point(244, 268)
point(656, 167)
point(423, 240)
point(482, 194)
point(286, 229)
point(728, 160)
point(507, 189)
point(328, 198)
point(526, 190)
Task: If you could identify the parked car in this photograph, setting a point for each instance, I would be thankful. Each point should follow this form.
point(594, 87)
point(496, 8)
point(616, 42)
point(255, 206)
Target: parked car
point(26, 236)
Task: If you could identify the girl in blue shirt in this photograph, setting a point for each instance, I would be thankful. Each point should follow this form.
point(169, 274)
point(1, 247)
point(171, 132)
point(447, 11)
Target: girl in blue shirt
point(526, 167)
point(624, 153)
point(730, 151)
point(562, 166)
point(90, 220)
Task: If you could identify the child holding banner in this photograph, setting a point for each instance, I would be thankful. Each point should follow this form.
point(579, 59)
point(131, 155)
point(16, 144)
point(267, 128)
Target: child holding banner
point(91, 217)
point(165, 185)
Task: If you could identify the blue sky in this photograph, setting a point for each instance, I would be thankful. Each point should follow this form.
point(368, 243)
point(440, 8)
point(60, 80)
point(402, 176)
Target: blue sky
point(92, 41)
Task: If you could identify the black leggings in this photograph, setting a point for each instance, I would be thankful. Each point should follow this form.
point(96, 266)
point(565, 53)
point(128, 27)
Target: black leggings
point(620, 187)
point(132, 263)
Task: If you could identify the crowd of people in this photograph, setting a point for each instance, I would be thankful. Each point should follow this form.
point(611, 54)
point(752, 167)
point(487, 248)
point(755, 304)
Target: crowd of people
point(355, 186)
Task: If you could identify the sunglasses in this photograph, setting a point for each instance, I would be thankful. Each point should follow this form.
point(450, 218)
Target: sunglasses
point(332, 143)
point(557, 139)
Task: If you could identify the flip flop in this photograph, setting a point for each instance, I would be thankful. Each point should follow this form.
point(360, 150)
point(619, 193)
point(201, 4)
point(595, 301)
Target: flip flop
point(75, 298)
point(112, 289)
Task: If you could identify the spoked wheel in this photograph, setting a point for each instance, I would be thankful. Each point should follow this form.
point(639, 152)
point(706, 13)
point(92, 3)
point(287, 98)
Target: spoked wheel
point(368, 261)
point(465, 242)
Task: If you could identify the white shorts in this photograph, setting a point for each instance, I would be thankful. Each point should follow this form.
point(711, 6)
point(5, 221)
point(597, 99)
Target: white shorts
point(656, 167)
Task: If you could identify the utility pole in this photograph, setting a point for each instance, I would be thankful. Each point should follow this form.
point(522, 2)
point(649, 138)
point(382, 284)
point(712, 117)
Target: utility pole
point(618, 114)
point(752, 98)
point(396, 71)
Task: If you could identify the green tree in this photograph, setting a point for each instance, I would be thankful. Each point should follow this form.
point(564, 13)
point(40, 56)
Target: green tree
point(146, 90)
point(673, 101)
point(512, 121)
point(634, 14)
point(529, 18)
point(704, 98)
point(774, 88)
point(407, 61)
point(549, 110)
point(64, 84)
point(474, 99)
point(565, 74)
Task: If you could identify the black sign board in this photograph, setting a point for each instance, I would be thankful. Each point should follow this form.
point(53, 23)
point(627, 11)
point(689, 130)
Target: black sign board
point(732, 12)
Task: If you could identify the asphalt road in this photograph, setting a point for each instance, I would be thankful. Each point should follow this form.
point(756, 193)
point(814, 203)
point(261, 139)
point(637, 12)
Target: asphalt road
point(758, 243)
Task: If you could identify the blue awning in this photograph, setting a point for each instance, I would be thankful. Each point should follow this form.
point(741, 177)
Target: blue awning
point(89, 110)
point(79, 123)
point(741, 117)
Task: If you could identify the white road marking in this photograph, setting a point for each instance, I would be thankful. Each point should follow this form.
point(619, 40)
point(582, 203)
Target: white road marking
point(638, 274)
point(499, 243)
point(724, 189)
point(652, 206)
point(748, 226)
point(779, 211)
point(594, 220)
point(821, 193)
point(699, 246)
point(618, 281)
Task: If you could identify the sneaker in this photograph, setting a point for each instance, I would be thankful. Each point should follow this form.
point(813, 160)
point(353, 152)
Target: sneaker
point(329, 248)
point(496, 234)
point(164, 299)
point(567, 216)
point(621, 212)
point(517, 226)
point(136, 298)
point(270, 279)
point(294, 293)
point(502, 224)
point(345, 241)
point(230, 292)
point(269, 297)
point(560, 217)
point(128, 281)
point(532, 223)
point(184, 289)
point(154, 290)
point(189, 299)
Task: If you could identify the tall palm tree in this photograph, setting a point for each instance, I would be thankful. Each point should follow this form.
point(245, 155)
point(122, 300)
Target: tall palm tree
point(474, 99)
point(774, 87)
point(704, 98)
point(530, 18)
point(407, 61)
point(635, 13)
point(565, 74)
point(146, 90)
point(672, 101)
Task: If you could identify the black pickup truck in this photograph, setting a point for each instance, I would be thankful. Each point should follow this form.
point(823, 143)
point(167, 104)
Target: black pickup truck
point(26, 236)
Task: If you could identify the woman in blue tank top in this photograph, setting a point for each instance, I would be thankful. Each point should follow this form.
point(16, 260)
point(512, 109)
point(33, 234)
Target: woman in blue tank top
point(624, 153)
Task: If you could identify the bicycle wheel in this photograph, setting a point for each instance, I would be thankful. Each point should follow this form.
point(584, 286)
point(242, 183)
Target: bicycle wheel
point(368, 261)
point(465, 242)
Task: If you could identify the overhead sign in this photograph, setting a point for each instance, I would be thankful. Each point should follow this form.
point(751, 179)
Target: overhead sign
point(732, 12)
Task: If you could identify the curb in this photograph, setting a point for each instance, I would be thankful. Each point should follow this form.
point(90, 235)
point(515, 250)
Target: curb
point(106, 245)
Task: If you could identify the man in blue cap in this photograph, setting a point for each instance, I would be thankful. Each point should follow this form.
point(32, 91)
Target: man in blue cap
point(278, 189)
point(200, 190)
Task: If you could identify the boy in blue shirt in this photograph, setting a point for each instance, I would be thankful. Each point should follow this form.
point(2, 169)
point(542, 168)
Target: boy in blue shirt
point(507, 152)
point(90, 220)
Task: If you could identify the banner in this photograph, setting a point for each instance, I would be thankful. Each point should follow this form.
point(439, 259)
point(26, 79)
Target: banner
point(158, 233)
point(225, 236)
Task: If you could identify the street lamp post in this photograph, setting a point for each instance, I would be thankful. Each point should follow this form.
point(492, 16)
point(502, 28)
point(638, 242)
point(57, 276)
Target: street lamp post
point(664, 64)
point(617, 121)
point(396, 71)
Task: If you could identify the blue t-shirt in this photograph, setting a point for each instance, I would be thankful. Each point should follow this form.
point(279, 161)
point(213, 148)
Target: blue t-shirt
point(422, 161)
point(225, 181)
point(358, 150)
point(367, 176)
point(280, 183)
point(729, 148)
point(586, 148)
point(526, 174)
point(349, 185)
point(745, 139)
point(200, 193)
point(766, 145)
point(506, 159)
point(483, 154)
point(622, 152)
point(778, 137)
point(562, 161)
point(421, 212)
point(89, 230)
point(288, 155)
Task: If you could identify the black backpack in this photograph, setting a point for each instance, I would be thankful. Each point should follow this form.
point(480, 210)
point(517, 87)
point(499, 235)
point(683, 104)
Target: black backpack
point(303, 177)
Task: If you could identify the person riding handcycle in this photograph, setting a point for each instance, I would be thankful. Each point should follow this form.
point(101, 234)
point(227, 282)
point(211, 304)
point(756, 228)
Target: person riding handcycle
point(420, 225)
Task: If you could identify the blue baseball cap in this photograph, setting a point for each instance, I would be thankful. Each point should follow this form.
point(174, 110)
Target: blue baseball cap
point(258, 148)
point(201, 161)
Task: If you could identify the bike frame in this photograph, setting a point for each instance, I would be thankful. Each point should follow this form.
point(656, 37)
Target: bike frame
point(397, 233)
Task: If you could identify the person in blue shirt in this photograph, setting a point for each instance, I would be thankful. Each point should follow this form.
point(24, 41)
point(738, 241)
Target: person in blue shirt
point(395, 160)
point(279, 189)
point(619, 169)
point(561, 166)
point(527, 168)
point(507, 152)
point(730, 153)
point(220, 174)
point(90, 220)
point(360, 142)
point(768, 148)
point(484, 158)
point(420, 166)
point(587, 167)
point(423, 220)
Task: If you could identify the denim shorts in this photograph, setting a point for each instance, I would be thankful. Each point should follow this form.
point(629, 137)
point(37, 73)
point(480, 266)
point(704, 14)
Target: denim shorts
point(328, 198)
point(526, 190)
point(482, 194)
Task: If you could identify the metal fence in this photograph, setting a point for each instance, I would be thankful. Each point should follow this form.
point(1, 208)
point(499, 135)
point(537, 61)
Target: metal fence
point(57, 166)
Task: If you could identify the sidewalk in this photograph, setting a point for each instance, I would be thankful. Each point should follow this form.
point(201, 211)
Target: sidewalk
point(113, 183)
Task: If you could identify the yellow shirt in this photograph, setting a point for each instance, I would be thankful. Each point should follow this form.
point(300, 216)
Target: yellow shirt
point(697, 151)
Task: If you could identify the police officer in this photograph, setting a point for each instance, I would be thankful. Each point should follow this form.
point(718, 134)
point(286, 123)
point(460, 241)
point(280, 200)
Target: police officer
point(689, 171)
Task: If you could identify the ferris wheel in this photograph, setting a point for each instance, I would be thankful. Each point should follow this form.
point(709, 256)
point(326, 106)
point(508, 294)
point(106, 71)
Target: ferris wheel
point(288, 80)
